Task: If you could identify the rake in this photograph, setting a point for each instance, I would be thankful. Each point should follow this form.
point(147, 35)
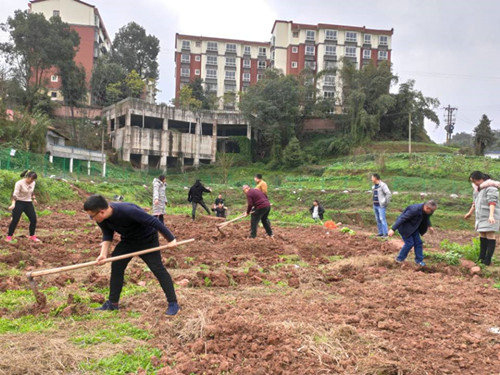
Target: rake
point(42, 300)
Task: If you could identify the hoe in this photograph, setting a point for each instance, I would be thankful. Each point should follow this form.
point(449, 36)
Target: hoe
point(226, 223)
point(40, 297)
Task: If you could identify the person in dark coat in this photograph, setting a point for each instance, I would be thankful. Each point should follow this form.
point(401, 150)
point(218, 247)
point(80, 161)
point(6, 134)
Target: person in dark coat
point(317, 211)
point(195, 197)
point(257, 200)
point(411, 224)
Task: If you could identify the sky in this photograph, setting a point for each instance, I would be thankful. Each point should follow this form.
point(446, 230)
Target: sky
point(449, 47)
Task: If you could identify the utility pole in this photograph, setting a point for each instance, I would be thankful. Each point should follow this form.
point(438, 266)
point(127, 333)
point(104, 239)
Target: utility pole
point(409, 133)
point(449, 119)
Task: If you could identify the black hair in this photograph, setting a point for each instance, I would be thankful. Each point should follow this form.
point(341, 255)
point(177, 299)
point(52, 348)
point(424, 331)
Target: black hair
point(162, 177)
point(259, 176)
point(29, 174)
point(317, 201)
point(477, 175)
point(95, 203)
point(376, 175)
point(432, 204)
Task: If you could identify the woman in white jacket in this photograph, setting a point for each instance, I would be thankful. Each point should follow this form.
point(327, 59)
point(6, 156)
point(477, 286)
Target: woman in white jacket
point(159, 197)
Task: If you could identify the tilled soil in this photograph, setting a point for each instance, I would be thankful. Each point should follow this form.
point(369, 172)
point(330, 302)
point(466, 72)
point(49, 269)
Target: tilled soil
point(309, 301)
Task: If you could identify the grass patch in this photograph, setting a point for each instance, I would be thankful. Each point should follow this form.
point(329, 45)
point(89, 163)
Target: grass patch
point(334, 258)
point(113, 335)
point(68, 212)
point(287, 259)
point(6, 271)
point(12, 299)
point(454, 252)
point(123, 363)
point(24, 324)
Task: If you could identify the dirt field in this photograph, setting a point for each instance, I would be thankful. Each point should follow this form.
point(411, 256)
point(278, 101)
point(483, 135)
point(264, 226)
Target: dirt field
point(311, 301)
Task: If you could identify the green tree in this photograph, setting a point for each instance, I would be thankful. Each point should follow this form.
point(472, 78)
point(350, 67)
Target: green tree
point(26, 131)
point(186, 101)
point(105, 73)
point(272, 106)
point(229, 100)
point(74, 90)
point(133, 49)
point(131, 86)
point(462, 139)
point(37, 44)
point(293, 156)
point(483, 135)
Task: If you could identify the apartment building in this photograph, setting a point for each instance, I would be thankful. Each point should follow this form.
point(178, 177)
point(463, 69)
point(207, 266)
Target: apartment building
point(85, 19)
point(295, 47)
point(232, 65)
point(225, 65)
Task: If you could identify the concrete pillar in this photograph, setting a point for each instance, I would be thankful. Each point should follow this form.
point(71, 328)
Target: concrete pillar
point(104, 169)
point(88, 167)
point(163, 163)
point(181, 160)
point(127, 136)
point(214, 141)
point(51, 159)
point(197, 142)
point(70, 165)
point(144, 161)
point(249, 131)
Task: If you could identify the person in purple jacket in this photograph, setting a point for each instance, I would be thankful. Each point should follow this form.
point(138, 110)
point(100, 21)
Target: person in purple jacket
point(139, 231)
point(257, 200)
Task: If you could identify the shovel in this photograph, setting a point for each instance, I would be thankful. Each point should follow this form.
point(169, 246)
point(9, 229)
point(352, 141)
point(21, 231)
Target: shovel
point(40, 297)
point(226, 223)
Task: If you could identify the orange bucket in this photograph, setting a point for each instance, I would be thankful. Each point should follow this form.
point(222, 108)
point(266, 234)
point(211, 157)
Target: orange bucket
point(330, 224)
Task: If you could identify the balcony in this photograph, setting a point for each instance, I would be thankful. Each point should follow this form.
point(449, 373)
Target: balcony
point(330, 57)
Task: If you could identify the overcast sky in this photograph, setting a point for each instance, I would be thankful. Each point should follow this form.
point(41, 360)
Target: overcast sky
point(450, 47)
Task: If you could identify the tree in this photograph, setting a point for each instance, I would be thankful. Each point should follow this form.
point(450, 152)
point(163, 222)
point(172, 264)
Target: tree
point(133, 49)
point(131, 86)
point(483, 136)
point(229, 100)
point(26, 131)
point(293, 156)
point(225, 161)
point(37, 44)
point(462, 139)
point(105, 73)
point(272, 106)
point(186, 101)
point(74, 90)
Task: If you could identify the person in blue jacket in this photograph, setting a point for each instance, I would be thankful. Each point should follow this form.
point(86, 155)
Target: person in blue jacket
point(413, 222)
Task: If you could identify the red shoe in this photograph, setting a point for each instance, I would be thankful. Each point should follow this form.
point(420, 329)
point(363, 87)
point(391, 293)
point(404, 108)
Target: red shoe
point(8, 239)
point(34, 239)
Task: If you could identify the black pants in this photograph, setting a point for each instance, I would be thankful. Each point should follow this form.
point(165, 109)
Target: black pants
point(195, 204)
point(29, 210)
point(260, 215)
point(160, 217)
point(153, 260)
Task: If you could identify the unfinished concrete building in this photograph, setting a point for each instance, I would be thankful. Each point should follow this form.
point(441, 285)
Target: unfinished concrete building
point(160, 136)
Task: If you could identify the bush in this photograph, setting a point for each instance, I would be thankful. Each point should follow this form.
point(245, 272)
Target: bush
point(293, 156)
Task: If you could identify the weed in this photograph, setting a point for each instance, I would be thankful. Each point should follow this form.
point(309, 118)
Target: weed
point(123, 363)
point(188, 260)
point(347, 230)
point(334, 258)
point(497, 285)
point(113, 335)
point(27, 323)
point(454, 252)
point(68, 212)
point(133, 289)
point(208, 282)
point(6, 271)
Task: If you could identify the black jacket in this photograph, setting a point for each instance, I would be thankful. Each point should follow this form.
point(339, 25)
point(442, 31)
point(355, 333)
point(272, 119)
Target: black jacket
point(321, 211)
point(196, 192)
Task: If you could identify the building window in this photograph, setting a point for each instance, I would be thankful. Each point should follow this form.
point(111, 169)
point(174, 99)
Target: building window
point(198, 44)
point(259, 77)
point(197, 58)
point(231, 48)
point(186, 44)
point(230, 61)
point(295, 34)
point(295, 49)
point(261, 64)
point(211, 87)
point(331, 50)
point(368, 39)
point(328, 94)
point(383, 40)
point(331, 35)
point(246, 77)
point(56, 13)
point(212, 60)
point(54, 78)
point(247, 50)
point(329, 80)
point(53, 94)
point(310, 50)
point(230, 74)
point(310, 65)
point(185, 58)
point(310, 34)
point(351, 36)
point(212, 46)
point(367, 54)
point(246, 63)
point(230, 88)
point(330, 65)
point(197, 72)
point(350, 51)
point(294, 64)
point(382, 55)
point(211, 73)
point(262, 51)
point(184, 72)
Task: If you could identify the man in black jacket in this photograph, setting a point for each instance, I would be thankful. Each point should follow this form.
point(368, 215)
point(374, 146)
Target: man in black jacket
point(195, 197)
point(413, 222)
point(317, 211)
point(139, 231)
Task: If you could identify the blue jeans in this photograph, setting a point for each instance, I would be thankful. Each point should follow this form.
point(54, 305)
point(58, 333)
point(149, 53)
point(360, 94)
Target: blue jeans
point(381, 220)
point(415, 241)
